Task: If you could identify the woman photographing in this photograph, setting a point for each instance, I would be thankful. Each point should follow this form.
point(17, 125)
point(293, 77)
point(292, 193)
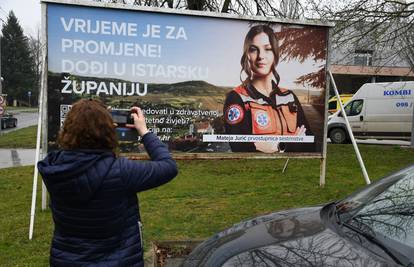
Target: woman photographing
point(93, 193)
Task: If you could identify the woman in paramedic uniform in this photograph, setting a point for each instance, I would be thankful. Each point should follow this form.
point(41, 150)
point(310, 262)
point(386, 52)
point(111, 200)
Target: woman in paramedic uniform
point(259, 106)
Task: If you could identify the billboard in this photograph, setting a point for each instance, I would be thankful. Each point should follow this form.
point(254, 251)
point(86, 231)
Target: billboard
point(207, 84)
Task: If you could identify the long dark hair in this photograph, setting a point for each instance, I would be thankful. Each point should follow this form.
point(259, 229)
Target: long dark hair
point(244, 61)
point(88, 125)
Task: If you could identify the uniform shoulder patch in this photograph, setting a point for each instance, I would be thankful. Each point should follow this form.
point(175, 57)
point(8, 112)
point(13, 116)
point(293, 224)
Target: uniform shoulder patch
point(262, 119)
point(234, 114)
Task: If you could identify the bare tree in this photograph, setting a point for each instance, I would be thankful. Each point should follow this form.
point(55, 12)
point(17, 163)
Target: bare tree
point(383, 26)
point(154, 3)
point(36, 51)
point(408, 51)
point(292, 9)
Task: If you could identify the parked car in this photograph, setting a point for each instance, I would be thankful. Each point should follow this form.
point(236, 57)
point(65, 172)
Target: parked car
point(372, 227)
point(377, 110)
point(8, 121)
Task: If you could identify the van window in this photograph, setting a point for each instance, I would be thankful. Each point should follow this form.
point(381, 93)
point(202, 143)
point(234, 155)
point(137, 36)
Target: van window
point(354, 107)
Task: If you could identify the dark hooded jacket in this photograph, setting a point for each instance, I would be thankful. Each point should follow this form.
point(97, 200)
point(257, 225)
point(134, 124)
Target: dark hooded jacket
point(94, 203)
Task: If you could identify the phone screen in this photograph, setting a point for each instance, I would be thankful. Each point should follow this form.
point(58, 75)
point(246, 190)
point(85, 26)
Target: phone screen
point(119, 118)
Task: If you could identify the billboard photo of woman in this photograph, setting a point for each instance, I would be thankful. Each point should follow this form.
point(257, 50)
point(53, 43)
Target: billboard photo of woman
point(259, 106)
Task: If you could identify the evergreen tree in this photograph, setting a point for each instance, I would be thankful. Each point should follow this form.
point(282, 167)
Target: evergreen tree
point(16, 61)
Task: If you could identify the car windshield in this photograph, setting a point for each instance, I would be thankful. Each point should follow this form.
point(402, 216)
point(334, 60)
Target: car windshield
point(385, 209)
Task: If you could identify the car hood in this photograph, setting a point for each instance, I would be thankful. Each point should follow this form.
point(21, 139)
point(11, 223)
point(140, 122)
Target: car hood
point(290, 238)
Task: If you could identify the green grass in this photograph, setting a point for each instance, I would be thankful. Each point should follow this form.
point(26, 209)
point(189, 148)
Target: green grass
point(206, 197)
point(20, 109)
point(22, 138)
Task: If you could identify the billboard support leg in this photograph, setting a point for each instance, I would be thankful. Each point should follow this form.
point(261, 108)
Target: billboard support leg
point(36, 172)
point(45, 103)
point(351, 135)
point(44, 196)
point(322, 174)
point(286, 164)
point(41, 124)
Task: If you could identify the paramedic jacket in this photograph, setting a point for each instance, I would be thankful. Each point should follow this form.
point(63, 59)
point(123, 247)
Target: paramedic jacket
point(95, 206)
point(247, 111)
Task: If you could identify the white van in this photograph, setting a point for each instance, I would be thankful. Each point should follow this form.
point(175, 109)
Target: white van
point(377, 110)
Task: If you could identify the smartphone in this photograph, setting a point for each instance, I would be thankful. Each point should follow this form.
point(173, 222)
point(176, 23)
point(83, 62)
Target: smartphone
point(122, 117)
point(125, 128)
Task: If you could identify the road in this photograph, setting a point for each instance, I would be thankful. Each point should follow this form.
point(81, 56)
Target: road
point(19, 157)
point(24, 119)
point(16, 157)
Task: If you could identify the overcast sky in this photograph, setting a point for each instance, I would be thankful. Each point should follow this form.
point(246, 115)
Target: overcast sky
point(27, 12)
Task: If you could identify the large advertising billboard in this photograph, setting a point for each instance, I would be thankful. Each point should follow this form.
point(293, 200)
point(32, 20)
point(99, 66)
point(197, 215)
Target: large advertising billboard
point(207, 84)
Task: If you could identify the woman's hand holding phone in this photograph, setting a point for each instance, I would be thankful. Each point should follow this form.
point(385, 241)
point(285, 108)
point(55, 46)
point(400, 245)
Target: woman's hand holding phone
point(139, 121)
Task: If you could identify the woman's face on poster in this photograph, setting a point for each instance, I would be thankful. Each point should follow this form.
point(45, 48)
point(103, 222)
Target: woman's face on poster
point(261, 57)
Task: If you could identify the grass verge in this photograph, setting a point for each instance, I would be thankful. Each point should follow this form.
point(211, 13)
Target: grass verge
point(22, 138)
point(206, 197)
point(21, 109)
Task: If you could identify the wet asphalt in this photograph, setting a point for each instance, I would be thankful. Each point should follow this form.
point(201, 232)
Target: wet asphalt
point(17, 157)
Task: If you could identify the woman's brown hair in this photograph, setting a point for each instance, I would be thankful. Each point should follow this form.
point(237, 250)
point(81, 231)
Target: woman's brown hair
point(88, 125)
point(244, 61)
